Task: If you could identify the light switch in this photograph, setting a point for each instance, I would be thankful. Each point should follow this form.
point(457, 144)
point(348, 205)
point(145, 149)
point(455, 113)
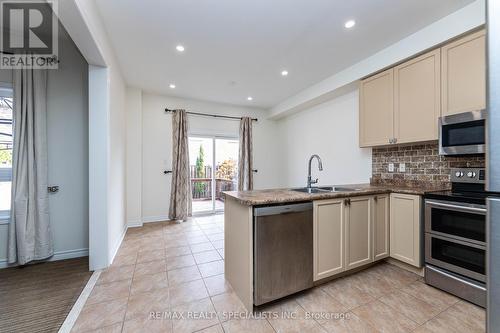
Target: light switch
point(391, 167)
point(402, 167)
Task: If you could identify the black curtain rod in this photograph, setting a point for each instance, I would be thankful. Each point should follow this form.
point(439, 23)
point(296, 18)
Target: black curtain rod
point(209, 115)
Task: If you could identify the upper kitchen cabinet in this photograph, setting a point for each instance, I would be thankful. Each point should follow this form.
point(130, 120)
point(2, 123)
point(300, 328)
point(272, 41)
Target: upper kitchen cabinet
point(463, 70)
point(376, 109)
point(417, 98)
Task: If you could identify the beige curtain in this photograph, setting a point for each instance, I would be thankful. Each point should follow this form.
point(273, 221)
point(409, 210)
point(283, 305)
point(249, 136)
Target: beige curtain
point(245, 161)
point(30, 237)
point(180, 195)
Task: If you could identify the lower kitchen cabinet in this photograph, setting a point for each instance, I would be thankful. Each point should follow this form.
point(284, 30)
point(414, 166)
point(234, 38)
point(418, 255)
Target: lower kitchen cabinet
point(328, 238)
point(405, 228)
point(381, 204)
point(358, 232)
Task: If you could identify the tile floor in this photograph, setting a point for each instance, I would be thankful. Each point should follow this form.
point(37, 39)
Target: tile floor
point(176, 271)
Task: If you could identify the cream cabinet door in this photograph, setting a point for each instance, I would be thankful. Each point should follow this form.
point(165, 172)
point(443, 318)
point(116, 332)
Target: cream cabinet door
point(381, 226)
point(358, 232)
point(405, 228)
point(417, 98)
point(463, 69)
point(328, 240)
point(376, 109)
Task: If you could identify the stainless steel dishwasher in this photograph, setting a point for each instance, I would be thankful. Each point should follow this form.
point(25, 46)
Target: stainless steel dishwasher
point(283, 250)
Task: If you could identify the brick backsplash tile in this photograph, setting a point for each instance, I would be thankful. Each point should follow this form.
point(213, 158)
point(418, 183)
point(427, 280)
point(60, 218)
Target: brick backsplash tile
point(424, 165)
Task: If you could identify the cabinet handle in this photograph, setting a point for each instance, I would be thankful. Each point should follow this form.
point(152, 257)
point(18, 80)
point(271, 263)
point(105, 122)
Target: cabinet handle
point(347, 202)
point(375, 198)
point(395, 140)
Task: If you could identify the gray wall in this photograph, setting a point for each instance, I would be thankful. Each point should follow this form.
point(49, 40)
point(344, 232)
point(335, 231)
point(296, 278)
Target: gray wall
point(67, 105)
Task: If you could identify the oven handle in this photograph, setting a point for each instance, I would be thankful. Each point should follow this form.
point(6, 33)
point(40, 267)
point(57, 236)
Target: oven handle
point(461, 207)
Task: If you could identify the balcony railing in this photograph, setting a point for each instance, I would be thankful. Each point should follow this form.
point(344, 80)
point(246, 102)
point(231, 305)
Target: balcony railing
point(201, 188)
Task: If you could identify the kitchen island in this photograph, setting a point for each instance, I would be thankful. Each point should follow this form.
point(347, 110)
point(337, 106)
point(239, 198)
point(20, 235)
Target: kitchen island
point(361, 200)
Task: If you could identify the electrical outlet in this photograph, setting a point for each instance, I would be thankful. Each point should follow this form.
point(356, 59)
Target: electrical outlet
point(391, 167)
point(402, 167)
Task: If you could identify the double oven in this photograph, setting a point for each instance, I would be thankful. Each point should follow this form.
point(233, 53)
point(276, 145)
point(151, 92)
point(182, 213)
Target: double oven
point(455, 237)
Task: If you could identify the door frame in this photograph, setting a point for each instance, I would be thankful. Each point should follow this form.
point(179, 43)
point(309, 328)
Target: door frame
point(213, 137)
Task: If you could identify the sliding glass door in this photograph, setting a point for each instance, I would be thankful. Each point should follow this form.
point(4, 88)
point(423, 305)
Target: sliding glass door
point(213, 167)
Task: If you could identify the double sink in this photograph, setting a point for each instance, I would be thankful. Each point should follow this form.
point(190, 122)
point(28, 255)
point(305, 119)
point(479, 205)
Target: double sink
point(325, 189)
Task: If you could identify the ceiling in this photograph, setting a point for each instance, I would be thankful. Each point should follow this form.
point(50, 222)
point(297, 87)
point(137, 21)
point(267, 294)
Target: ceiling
point(235, 48)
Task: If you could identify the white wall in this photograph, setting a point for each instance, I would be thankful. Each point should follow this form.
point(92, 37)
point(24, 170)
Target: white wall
point(67, 128)
point(157, 148)
point(331, 131)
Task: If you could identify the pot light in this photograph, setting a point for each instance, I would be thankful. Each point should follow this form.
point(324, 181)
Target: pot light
point(171, 86)
point(249, 98)
point(179, 48)
point(349, 24)
point(284, 73)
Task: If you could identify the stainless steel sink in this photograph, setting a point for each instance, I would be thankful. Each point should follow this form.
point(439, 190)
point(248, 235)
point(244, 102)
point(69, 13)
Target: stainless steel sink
point(325, 189)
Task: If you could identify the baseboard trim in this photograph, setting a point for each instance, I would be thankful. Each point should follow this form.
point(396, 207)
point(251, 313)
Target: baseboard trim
point(117, 245)
point(60, 255)
point(150, 219)
point(134, 223)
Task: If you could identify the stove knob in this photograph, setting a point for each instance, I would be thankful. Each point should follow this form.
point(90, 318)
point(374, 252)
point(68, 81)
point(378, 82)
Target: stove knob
point(471, 174)
point(459, 174)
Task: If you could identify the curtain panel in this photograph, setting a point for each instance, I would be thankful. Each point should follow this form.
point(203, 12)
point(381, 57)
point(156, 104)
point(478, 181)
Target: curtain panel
point(245, 158)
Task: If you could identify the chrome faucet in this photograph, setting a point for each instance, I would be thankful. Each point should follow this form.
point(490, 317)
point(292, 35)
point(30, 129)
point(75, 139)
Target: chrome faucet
point(320, 167)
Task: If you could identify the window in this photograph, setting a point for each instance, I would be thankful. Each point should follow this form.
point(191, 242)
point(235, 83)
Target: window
point(5, 150)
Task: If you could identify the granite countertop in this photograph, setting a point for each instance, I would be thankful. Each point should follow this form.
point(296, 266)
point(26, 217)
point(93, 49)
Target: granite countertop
point(272, 196)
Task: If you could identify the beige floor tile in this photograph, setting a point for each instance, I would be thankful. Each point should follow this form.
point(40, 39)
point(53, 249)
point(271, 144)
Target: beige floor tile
point(99, 315)
point(187, 292)
point(372, 285)
point(317, 302)
point(196, 316)
point(384, 318)
point(183, 275)
point(445, 323)
point(177, 251)
point(147, 325)
point(124, 260)
point(212, 329)
point(211, 268)
point(150, 255)
point(180, 261)
point(116, 328)
point(470, 314)
point(194, 232)
point(150, 267)
point(207, 256)
point(393, 275)
point(152, 243)
point(212, 231)
point(348, 323)
point(247, 325)
point(197, 240)
point(412, 307)
point(202, 247)
point(219, 244)
point(176, 243)
point(221, 252)
point(116, 273)
point(217, 285)
point(431, 295)
point(109, 291)
point(227, 303)
point(344, 291)
point(141, 305)
point(289, 316)
point(150, 282)
point(216, 237)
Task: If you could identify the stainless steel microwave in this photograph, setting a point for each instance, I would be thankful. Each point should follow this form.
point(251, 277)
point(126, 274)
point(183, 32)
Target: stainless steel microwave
point(463, 133)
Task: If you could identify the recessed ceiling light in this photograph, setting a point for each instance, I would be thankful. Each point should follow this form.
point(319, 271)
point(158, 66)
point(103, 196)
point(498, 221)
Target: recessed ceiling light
point(284, 73)
point(179, 48)
point(349, 24)
point(250, 98)
point(172, 86)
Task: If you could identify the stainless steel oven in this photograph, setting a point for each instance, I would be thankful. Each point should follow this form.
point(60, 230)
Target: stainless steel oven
point(463, 133)
point(455, 237)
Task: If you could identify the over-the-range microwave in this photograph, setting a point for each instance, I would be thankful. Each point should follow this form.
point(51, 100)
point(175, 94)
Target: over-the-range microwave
point(463, 133)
